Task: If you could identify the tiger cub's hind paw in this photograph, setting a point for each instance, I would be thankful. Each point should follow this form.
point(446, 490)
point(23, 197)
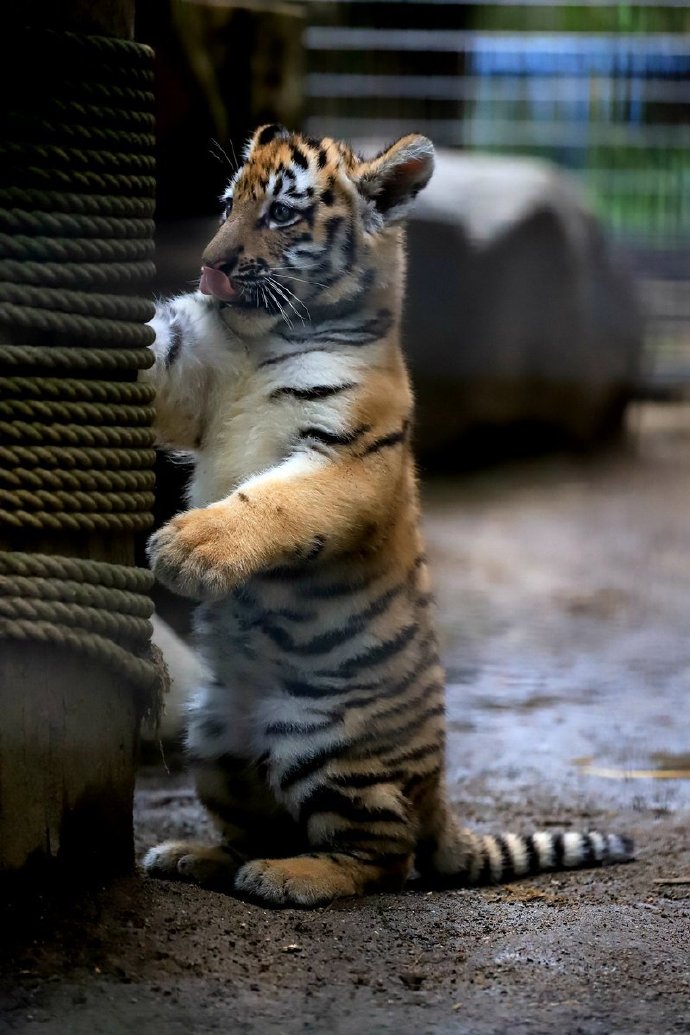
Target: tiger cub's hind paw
point(302, 881)
point(208, 866)
point(310, 880)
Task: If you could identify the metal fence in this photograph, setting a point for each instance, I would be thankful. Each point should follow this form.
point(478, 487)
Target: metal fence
point(600, 89)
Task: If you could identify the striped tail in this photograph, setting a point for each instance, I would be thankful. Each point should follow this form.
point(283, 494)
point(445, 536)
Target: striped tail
point(466, 858)
point(507, 856)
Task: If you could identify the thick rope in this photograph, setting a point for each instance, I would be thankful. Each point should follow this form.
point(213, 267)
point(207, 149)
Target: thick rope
point(37, 520)
point(99, 610)
point(64, 388)
point(73, 249)
point(69, 458)
point(122, 629)
point(96, 573)
point(80, 481)
point(85, 594)
point(76, 435)
point(45, 357)
point(75, 275)
point(108, 307)
point(108, 333)
point(78, 412)
point(70, 225)
point(76, 456)
point(86, 180)
point(77, 204)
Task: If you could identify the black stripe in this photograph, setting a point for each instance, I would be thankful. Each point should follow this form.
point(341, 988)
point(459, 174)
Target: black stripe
point(376, 655)
point(357, 835)
point(398, 733)
point(349, 248)
point(299, 157)
point(325, 799)
point(358, 781)
point(325, 642)
point(533, 863)
point(428, 657)
point(509, 872)
point(485, 873)
point(419, 778)
point(331, 438)
point(332, 227)
point(558, 851)
point(175, 344)
point(300, 688)
point(327, 196)
point(287, 355)
point(340, 589)
point(414, 755)
point(405, 704)
point(588, 855)
point(308, 766)
point(311, 393)
point(392, 439)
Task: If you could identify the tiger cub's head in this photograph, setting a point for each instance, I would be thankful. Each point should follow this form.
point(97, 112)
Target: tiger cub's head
point(310, 222)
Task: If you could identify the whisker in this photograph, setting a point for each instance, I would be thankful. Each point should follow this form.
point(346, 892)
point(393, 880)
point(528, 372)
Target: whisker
point(290, 276)
point(284, 293)
point(279, 300)
point(280, 296)
point(218, 157)
point(276, 301)
point(287, 290)
point(278, 282)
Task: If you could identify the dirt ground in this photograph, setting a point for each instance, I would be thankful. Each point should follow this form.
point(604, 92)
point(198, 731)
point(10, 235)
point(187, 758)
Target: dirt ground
point(564, 595)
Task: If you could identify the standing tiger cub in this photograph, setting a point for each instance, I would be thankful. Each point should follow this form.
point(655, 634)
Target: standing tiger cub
point(317, 740)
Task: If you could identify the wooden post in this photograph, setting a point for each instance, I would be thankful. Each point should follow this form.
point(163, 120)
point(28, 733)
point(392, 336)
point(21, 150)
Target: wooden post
point(69, 726)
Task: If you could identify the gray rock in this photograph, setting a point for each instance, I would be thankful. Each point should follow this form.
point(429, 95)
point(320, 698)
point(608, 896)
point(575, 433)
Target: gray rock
point(517, 311)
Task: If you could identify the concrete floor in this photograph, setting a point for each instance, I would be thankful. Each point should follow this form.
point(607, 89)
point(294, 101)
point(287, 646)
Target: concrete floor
point(564, 599)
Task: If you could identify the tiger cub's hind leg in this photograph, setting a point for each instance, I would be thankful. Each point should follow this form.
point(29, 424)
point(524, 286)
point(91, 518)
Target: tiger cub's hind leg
point(360, 840)
point(246, 816)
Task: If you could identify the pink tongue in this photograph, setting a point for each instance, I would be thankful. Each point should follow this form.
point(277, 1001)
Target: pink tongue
point(215, 282)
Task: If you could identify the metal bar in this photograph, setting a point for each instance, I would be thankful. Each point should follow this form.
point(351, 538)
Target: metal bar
point(439, 40)
point(507, 133)
point(556, 89)
point(674, 4)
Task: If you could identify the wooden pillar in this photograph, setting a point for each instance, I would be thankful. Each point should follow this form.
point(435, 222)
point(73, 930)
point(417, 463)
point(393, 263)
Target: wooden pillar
point(69, 725)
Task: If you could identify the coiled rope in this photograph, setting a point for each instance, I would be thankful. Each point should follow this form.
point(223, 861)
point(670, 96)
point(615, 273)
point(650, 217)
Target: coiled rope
point(76, 446)
point(100, 610)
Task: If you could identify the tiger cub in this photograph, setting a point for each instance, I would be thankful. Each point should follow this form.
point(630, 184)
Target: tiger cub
point(317, 740)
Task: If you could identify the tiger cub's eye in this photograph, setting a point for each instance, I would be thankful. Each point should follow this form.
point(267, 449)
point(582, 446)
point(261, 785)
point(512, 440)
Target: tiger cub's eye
point(281, 214)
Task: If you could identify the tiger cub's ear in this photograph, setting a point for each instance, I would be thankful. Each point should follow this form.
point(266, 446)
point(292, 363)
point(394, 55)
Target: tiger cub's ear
point(264, 135)
point(392, 180)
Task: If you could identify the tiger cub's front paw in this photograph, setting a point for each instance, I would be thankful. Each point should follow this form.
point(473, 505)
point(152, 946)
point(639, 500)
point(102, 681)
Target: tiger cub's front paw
point(191, 555)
